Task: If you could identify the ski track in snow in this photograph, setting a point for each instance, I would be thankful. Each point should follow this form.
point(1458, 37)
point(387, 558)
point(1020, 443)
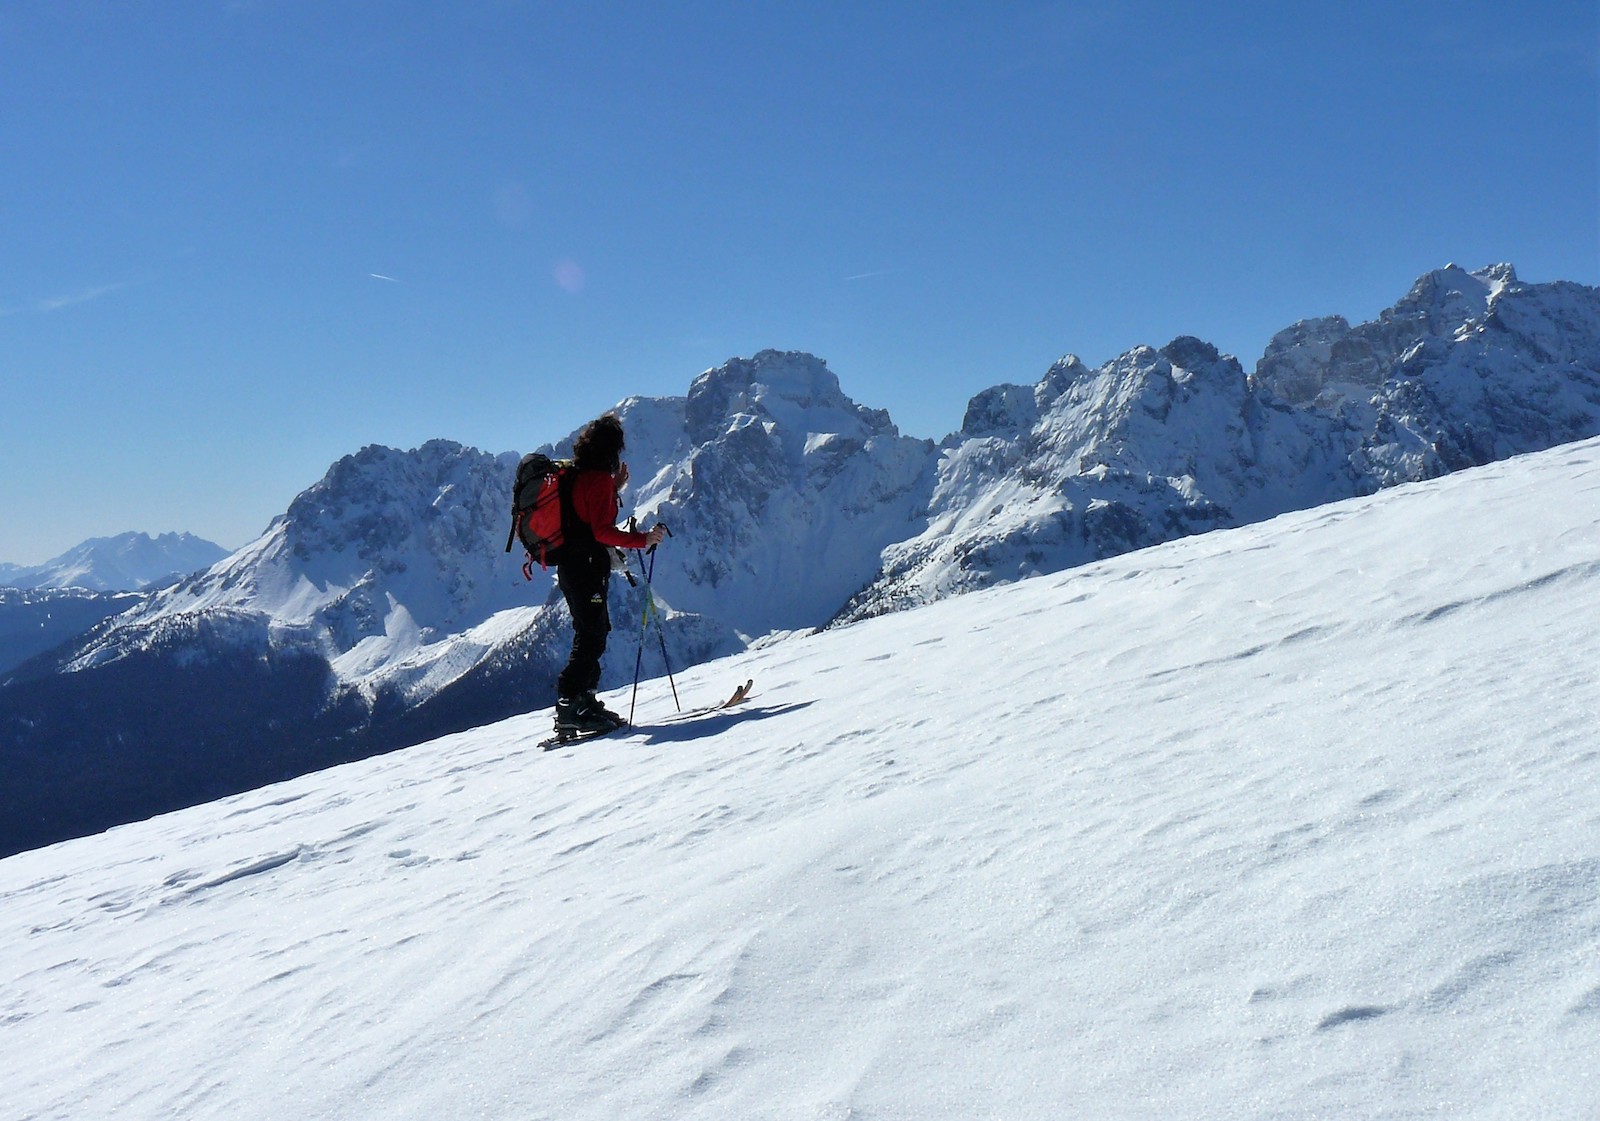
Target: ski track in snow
point(1290, 821)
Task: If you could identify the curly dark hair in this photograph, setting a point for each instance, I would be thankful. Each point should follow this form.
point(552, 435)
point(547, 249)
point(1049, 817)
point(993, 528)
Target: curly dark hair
point(599, 445)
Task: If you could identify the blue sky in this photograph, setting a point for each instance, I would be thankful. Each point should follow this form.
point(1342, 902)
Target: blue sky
point(244, 239)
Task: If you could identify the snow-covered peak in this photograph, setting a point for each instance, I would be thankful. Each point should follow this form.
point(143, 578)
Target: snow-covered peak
point(1001, 410)
point(389, 551)
point(1447, 298)
point(1467, 368)
point(781, 492)
point(1008, 410)
point(1296, 362)
point(126, 562)
point(1330, 365)
point(794, 392)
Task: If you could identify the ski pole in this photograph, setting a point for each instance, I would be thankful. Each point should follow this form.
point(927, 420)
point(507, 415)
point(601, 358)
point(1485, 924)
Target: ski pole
point(644, 625)
point(638, 661)
point(644, 622)
point(661, 627)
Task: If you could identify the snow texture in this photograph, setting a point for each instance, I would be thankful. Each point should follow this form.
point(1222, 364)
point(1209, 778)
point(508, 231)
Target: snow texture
point(1292, 820)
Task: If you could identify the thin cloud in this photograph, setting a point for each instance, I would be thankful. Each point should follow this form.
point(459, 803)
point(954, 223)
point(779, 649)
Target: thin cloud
point(380, 276)
point(869, 275)
point(67, 300)
point(88, 295)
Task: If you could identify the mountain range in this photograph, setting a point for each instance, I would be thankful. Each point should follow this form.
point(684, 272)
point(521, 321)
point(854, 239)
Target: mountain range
point(128, 562)
point(380, 611)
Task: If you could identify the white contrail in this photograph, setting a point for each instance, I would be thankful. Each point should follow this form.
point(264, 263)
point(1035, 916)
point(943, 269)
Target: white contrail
point(56, 303)
point(866, 275)
point(380, 276)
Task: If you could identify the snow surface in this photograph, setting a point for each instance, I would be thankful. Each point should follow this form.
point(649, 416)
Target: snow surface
point(1288, 821)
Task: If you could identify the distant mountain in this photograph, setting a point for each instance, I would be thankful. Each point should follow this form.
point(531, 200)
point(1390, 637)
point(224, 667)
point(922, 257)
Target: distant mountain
point(380, 609)
point(126, 563)
point(35, 620)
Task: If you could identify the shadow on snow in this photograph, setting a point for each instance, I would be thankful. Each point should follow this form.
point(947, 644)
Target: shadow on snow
point(699, 727)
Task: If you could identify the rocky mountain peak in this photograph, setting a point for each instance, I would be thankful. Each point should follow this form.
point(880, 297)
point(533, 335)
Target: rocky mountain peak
point(792, 390)
point(1000, 410)
point(1327, 364)
point(1201, 359)
point(1445, 299)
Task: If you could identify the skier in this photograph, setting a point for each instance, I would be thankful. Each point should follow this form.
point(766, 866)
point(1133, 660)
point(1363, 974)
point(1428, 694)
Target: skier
point(584, 571)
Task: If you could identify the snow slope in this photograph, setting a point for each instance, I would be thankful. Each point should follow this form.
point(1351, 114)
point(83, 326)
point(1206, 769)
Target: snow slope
point(1294, 820)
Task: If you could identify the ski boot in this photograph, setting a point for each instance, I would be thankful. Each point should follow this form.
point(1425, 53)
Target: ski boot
point(593, 705)
point(579, 716)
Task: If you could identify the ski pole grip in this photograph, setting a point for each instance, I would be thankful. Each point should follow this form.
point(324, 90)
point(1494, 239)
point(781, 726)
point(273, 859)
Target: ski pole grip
point(662, 526)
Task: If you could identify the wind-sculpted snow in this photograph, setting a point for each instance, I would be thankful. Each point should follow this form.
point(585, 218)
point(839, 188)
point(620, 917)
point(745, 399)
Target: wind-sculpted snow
point(1295, 820)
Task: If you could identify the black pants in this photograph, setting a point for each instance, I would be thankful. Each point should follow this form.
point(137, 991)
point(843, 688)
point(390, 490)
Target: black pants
point(585, 582)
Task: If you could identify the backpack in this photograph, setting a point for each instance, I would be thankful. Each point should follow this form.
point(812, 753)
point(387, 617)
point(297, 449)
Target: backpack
point(539, 503)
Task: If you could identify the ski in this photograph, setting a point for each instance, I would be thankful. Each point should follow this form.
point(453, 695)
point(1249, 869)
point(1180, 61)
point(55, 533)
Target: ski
point(738, 696)
point(562, 739)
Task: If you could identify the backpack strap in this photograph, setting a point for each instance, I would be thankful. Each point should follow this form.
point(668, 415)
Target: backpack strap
point(569, 513)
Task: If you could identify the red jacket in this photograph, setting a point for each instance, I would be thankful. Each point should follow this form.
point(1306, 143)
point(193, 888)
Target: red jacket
point(594, 500)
